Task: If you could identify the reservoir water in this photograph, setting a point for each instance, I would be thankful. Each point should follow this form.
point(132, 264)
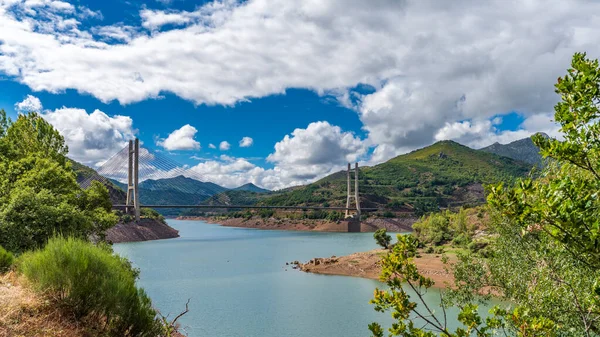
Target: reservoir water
point(239, 285)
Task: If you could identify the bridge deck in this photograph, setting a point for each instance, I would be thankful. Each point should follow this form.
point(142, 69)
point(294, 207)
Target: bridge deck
point(252, 207)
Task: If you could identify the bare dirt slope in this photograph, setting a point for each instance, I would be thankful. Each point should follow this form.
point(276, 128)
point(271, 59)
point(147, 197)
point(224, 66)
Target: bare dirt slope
point(145, 230)
point(24, 313)
point(368, 225)
point(366, 264)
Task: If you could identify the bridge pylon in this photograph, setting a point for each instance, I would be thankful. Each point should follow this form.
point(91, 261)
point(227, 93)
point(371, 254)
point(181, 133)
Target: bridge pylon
point(133, 193)
point(353, 194)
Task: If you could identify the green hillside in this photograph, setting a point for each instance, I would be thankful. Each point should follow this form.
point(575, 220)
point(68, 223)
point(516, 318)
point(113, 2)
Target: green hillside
point(522, 149)
point(251, 188)
point(443, 174)
point(116, 192)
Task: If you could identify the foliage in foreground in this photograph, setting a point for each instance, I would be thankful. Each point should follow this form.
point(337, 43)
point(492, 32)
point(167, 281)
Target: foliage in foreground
point(383, 238)
point(547, 252)
point(39, 196)
point(94, 284)
point(6, 260)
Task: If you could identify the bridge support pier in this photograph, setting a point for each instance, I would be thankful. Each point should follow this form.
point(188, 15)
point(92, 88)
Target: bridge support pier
point(133, 195)
point(353, 195)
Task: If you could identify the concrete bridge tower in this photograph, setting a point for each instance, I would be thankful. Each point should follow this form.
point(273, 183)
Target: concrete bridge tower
point(353, 194)
point(133, 193)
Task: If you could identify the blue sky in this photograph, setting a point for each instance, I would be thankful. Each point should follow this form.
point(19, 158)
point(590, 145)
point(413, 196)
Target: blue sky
point(314, 84)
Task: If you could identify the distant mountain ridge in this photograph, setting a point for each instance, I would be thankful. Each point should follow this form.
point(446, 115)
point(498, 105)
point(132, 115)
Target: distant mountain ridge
point(443, 174)
point(250, 187)
point(522, 149)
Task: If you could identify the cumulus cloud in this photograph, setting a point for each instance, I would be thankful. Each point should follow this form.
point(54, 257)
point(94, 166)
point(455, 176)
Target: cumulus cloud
point(156, 19)
point(92, 137)
point(181, 139)
point(224, 146)
point(481, 133)
point(431, 64)
point(29, 104)
point(312, 152)
point(246, 142)
point(212, 146)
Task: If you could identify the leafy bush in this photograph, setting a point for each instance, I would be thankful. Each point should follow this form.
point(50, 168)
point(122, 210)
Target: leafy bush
point(422, 207)
point(388, 214)
point(6, 260)
point(151, 213)
point(461, 240)
point(266, 213)
point(335, 216)
point(477, 246)
point(433, 229)
point(94, 284)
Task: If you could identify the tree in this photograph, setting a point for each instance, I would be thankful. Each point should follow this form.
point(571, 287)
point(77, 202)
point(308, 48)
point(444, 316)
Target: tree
point(546, 253)
point(383, 238)
point(30, 134)
point(39, 196)
point(554, 220)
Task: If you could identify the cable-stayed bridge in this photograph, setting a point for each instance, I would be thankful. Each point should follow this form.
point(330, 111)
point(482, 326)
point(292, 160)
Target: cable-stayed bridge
point(139, 171)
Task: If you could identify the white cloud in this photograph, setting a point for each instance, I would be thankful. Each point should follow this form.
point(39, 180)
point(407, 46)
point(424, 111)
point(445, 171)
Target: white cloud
point(29, 104)
point(224, 146)
point(61, 6)
point(430, 63)
point(480, 50)
point(315, 151)
point(156, 19)
point(92, 138)
point(478, 134)
point(212, 146)
point(299, 158)
point(246, 142)
point(180, 139)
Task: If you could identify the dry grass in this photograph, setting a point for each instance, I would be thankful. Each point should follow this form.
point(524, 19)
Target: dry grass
point(24, 313)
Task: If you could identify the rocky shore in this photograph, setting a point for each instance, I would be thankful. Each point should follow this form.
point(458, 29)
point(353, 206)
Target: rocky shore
point(145, 230)
point(367, 225)
point(367, 265)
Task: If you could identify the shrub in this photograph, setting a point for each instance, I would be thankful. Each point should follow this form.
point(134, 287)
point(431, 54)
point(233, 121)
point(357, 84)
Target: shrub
point(476, 246)
point(94, 284)
point(266, 213)
point(462, 240)
point(433, 229)
point(151, 213)
point(439, 250)
point(429, 250)
point(388, 214)
point(335, 216)
point(6, 260)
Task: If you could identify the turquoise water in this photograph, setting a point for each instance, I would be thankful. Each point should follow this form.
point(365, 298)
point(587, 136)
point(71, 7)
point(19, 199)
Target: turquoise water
point(239, 284)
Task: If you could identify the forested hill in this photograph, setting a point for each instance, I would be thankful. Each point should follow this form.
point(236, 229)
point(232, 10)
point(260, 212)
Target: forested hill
point(251, 188)
point(443, 174)
point(522, 149)
point(116, 192)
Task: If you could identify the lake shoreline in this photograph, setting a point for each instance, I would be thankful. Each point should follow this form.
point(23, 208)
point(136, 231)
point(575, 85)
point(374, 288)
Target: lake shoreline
point(398, 225)
point(366, 265)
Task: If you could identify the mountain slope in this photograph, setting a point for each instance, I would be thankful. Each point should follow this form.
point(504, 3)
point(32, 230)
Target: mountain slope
point(251, 188)
point(522, 149)
point(116, 192)
point(443, 174)
point(184, 185)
